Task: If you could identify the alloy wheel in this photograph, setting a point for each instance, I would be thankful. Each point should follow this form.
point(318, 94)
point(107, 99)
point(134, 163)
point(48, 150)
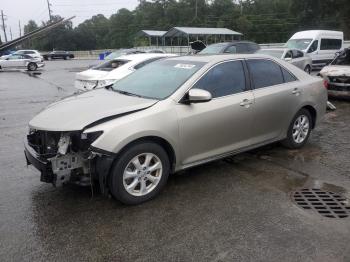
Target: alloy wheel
point(301, 129)
point(142, 174)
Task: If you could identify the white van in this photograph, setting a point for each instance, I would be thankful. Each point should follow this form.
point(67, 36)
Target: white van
point(320, 45)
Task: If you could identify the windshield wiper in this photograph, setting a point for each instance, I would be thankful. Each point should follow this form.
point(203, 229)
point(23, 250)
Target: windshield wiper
point(127, 93)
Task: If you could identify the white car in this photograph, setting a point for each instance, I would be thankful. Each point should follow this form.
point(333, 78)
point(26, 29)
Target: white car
point(321, 45)
point(293, 56)
point(17, 61)
point(31, 53)
point(109, 72)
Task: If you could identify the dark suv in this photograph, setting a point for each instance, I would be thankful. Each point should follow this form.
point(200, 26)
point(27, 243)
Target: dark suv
point(58, 55)
point(235, 47)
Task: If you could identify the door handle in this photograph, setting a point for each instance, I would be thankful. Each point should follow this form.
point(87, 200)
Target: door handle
point(296, 91)
point(246, 103)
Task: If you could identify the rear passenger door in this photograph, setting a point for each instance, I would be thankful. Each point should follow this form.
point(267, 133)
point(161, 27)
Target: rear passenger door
point(277, 98)
point(223, 124)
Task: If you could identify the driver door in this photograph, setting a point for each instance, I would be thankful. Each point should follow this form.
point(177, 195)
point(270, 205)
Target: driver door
point(223, 124)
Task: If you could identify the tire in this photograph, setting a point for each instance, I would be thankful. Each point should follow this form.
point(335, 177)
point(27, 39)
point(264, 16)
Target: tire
point(292, 141)
point(307, 69)
point(125, 174)
point(32, 66)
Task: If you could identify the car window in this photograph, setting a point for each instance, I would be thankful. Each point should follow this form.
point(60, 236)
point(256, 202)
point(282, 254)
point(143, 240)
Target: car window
point(330, 44)
point(224, 79)
point(13, 57)
point(28, 52)
point(297, 54)
point(313, 46)
point(253, 47)
point(288, 77)
point(213, 49)
point(158, 80)
point(138, 66)
point(231, 49)
point(264, 73)
point(288, 54)
point(111, 65)
point(241, 48)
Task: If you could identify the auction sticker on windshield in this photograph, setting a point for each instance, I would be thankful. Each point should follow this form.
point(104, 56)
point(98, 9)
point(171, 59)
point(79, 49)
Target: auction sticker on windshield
point(185, 66)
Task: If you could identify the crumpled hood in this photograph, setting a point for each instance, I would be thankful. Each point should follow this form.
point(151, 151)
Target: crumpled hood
point(91, 74)
point(76, 112)
point(336, 70)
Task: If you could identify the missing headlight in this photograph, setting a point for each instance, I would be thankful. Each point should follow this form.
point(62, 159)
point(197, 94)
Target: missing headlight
point(63, 144)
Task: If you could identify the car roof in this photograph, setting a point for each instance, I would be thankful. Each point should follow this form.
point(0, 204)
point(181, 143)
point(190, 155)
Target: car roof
point(142, 56)
point(216, 58)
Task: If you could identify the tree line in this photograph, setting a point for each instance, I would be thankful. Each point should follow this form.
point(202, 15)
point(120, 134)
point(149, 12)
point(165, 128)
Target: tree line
point(262, 21)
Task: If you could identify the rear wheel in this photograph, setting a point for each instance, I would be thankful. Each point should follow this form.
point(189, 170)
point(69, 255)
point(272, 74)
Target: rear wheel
point(307, 69)
point(32, 66)
point(140, 173)
point(299, 130)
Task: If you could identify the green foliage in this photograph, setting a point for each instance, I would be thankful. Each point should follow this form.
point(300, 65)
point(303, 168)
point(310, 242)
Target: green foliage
point(262, 21)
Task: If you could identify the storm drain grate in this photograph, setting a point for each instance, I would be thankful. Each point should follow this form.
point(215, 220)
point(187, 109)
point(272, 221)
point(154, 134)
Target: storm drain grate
point(328, 204)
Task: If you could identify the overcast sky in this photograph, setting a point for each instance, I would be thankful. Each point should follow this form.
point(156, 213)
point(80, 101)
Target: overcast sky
point(37, 10)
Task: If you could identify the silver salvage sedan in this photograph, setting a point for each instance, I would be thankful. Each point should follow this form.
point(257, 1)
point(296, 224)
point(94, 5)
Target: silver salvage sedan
point(293, 56)
point(21, 61)
point(171, 115)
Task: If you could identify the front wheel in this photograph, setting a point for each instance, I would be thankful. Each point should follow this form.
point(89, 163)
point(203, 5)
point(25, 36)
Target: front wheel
point(299, 130)
point(307, 69)
point(32, 66)
point(140, 173)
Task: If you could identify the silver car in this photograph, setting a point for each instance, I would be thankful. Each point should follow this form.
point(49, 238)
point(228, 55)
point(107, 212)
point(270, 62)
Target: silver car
point(19, 61)
point(171, 115)
point(293, 56)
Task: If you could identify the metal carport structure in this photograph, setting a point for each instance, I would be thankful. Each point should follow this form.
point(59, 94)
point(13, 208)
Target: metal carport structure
point(152, 34)
point(204, 32)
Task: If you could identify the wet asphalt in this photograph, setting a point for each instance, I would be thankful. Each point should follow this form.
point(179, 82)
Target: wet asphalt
point(236, 210)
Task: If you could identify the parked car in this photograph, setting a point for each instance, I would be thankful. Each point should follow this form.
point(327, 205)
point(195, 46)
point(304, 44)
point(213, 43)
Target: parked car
point(337, 75)
point(170, 115)
point(321, 45)
point(16, 61)
point(58, 55)
point(234, 47)
point(293, 56)
point(109, 72)
point(31, 53)
point(122, 52)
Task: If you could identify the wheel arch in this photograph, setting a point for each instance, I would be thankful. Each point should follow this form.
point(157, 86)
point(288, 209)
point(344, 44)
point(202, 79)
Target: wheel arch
point(312, 112)
point(158, 140)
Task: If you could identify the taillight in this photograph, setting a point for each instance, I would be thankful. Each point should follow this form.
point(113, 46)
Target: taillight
point(325, 83)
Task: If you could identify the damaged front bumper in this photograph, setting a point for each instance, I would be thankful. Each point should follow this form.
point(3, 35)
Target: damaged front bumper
point(67, 164)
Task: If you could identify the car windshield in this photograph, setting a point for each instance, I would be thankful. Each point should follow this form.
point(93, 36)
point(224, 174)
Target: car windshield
point(274, 53)
point(116, 54)
point(159, 79)
point(301, 44)
point(213, 49)
point(111, 65)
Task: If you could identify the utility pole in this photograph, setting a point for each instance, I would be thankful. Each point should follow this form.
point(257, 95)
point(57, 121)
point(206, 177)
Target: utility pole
point(11, 33)
point(50, 12)
point(3, 25)
point(20, 28)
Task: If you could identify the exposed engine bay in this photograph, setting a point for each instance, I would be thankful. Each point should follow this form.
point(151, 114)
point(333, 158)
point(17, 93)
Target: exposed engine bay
point(67, 153)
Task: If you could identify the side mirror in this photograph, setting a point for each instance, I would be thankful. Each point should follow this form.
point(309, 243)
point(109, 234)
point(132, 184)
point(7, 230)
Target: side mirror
point(198, 96)
point(288, 59)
